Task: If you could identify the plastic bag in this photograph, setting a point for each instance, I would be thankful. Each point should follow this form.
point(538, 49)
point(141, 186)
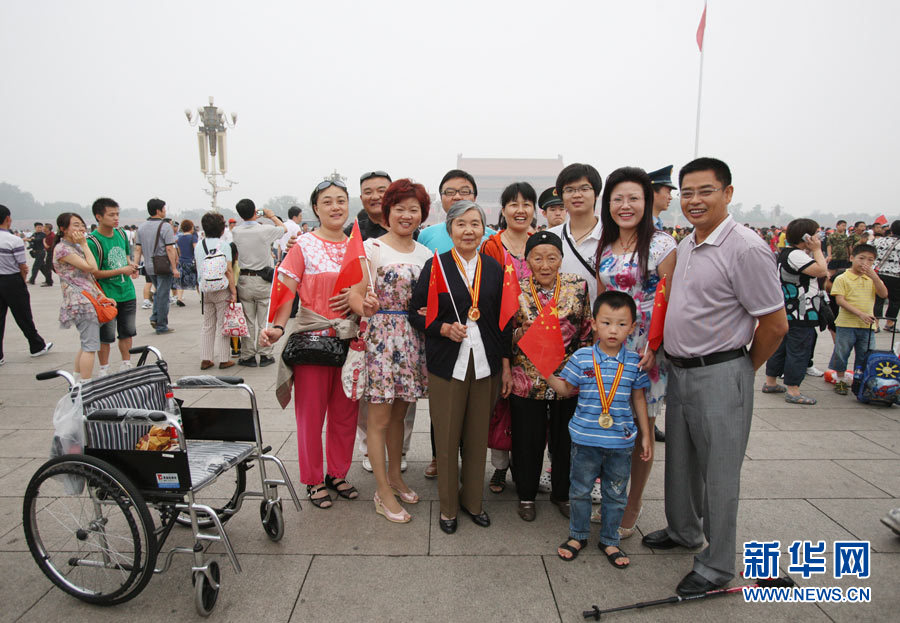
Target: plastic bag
point(68, 436)
point(234, 324)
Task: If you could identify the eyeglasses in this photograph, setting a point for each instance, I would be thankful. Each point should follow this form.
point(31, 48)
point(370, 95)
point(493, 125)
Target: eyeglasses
point(571, 190)
point(703, 193)
point(462, 192)
point(620, 201)
point(371, 174)
point(329, 183)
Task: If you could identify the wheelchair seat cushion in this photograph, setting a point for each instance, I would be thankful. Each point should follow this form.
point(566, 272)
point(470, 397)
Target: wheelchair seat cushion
point(208, 459)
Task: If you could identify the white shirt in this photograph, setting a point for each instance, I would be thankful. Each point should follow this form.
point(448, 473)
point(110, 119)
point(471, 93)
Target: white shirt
point(472, 342)
point(292, 230)
point(588, 250)
point(227, 236)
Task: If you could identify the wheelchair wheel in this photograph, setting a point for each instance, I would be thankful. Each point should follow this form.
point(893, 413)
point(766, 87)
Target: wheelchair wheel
point(205, 595)
point(232, 483)
point(274, 525)
point(89, 529)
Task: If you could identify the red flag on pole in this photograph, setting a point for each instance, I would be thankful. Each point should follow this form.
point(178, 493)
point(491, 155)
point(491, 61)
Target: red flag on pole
point(509, 300)
point(543, 342)
point(881, 220)
point(437, 284)
point(351, 267)
point(280, 295)
point(701, 28)
point(658, 319)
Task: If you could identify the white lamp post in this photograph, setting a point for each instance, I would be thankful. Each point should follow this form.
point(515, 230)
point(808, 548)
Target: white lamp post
point(211, 140)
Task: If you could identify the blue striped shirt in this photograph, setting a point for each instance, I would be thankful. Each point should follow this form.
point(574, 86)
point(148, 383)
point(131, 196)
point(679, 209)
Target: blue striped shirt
point(12, 253)
point(584, 428)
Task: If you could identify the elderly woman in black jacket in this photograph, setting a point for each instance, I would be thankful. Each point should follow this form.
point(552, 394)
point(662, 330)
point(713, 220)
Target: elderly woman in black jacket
point(467, 355)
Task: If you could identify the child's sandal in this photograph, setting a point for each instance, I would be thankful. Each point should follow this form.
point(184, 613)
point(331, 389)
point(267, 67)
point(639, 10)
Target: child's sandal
point(571, 549)
point(614, 556)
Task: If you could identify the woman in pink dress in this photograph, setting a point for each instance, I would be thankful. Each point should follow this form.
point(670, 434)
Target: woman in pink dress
point(311, 269)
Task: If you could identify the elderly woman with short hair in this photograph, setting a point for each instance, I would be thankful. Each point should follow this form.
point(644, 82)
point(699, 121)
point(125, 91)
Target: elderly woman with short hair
point(467, 355)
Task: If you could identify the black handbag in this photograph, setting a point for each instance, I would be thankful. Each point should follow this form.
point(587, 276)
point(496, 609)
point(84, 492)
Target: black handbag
point(826, 315)
point(161, 265)
point(267, 273)
point(304, 349)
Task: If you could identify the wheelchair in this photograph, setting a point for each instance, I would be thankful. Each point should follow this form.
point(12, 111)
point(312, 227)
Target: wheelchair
point(87, 512)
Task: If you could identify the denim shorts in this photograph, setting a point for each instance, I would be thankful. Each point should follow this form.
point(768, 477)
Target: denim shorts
point(124, 322)
point(89, 330)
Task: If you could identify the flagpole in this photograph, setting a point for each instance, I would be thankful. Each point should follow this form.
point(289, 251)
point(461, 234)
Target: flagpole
point(700, 87)
point(446, 281)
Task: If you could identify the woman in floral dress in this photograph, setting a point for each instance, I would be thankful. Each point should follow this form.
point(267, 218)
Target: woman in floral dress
point(75, 265)
point(632, 257)
point(395, 352)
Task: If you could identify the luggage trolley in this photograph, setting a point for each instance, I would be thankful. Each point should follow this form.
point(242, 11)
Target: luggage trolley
point(87, 513)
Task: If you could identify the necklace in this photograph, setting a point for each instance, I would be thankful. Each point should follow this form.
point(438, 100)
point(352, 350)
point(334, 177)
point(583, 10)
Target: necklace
point(585, 234)
point(626, 248)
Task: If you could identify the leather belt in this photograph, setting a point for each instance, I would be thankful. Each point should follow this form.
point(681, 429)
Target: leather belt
point(706, 360)
point(257, 273)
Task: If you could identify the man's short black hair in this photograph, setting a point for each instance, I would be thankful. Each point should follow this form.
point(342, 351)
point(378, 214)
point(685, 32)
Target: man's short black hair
point(294, 211)
point(840, 222)
point(4, 212)
point(864, 248)
point(38, 225)
point(796, 229)
point(100, 205)
point(719, 169)
point(575, 172)
point(245, 209)
point(858, 223)
point(615, 300)
point(449, 175)
point(155, 205)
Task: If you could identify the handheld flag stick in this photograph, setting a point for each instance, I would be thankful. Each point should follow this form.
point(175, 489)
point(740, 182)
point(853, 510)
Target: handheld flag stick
point(452, 302)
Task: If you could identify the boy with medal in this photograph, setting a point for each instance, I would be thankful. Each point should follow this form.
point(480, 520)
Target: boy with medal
point(611, 408)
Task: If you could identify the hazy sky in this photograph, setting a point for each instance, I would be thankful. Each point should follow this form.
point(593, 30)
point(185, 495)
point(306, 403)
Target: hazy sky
point(800, 98)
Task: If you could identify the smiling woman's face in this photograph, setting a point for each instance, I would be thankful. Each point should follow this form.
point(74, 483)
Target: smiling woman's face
point(406, 216)
point(519, 213)
point(466, 231)
point(332, 207)
point(626, 204)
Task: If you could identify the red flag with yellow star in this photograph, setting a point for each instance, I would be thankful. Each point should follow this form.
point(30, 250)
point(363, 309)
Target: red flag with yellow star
point(351, 266)
point(437, 284)
point(280, 295)
point(509, 300)
point(543, 342)
point(658, 318)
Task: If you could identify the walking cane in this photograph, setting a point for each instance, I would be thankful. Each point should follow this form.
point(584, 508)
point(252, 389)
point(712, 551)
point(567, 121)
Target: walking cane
point(596, 612)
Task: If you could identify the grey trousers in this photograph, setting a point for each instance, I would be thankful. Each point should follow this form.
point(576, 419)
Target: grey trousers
point(253, 292)
point(708, 414)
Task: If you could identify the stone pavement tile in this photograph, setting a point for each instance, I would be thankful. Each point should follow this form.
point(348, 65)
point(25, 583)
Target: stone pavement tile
point(26, 443)
point(46, 396)
point(862, 518)
point(591, 580)
point(884, 474)
point(16, 480)
point(34, 418)
point(822, 418)
point(24, 585)
point(801, 479)
point(885, 569)
point(814, 445)
point(266, 590)
point(426, 588)
point(889, 439)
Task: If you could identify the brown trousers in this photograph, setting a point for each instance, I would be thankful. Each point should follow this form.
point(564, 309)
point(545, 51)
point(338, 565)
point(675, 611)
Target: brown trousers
point(461, 410)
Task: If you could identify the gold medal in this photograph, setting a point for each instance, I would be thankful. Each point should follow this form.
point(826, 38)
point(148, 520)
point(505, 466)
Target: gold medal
point(474, 289)
point(605, 420)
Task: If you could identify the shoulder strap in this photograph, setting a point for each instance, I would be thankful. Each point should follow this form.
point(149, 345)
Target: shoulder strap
point(158, 232)
point(99, 247)
point(575, 251)
point(205, 250)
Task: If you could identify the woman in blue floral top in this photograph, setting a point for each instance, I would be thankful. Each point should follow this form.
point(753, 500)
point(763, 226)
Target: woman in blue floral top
point(633, 256)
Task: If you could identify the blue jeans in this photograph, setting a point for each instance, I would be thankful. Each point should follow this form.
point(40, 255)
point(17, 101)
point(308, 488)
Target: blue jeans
point(792, 356)
point(160, 315)
point(846, 338)
point(613, 466)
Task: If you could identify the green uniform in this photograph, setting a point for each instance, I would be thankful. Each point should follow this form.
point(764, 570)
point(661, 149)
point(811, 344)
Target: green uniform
point(112, 254)
point(841, 245)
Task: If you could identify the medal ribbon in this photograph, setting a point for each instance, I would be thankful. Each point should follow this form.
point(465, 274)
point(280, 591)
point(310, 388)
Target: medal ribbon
point(475, 289)
point(606, 401)
point(534, 293)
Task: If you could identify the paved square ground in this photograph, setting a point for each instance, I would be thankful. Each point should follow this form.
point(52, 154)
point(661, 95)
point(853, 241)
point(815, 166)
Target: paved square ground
point(827, 472)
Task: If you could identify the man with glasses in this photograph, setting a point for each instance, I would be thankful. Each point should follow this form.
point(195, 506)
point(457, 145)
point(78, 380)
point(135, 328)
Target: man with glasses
point(661, 180)
point(457, 185)
point(710, 320)
point(579, 186)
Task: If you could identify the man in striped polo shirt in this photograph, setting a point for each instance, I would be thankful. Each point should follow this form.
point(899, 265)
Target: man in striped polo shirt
point(603, 428)
point(13, 291)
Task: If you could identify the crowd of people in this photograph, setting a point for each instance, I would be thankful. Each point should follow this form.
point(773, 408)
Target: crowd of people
point(428, 315)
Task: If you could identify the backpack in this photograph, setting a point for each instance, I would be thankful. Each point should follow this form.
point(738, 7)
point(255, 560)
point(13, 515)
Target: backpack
point(794, 287)
point(878, 380)
point(212, 270)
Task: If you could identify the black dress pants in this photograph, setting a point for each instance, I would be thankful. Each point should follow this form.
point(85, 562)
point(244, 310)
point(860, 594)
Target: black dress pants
point(531, 420)
point(14, 297)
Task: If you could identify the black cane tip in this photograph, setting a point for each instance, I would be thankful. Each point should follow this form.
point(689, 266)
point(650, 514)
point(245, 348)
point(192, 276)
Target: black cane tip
point(594, 613)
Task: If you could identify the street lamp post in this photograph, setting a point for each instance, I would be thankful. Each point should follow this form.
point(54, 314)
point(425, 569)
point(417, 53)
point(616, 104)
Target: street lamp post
point(211, 140)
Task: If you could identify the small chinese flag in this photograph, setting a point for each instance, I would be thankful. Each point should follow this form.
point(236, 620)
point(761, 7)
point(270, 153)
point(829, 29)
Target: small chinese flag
point(881, 220)
point(543, 342)
point(351, 268)
point(280, 295)
point(437, 284)
point(701, 28)
point(509, 300)
point(658, 318)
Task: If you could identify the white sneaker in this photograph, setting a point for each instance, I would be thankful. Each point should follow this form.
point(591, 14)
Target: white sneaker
point(45, 350)
point(892, 520)
point(104, 371)
point(146, 304)
point(544, 484)
point(595, 493)
point(172, 299)
point(814, 371)
point(367, 464)
point(403, 464)
point(126, 365)
point(2, 361)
